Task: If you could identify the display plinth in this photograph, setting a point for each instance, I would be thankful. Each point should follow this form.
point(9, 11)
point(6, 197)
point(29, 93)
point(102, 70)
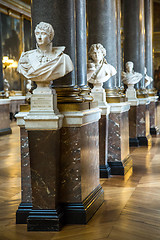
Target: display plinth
point(119, 159)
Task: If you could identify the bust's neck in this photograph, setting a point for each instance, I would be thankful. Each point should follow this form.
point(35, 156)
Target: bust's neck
point(45, 48)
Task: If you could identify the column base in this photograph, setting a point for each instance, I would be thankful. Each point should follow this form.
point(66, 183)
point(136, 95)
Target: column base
point(133, 142)
point(145, 141)
point(154, 131)
point(23, 213)
point(121, 168)
point(45, 220)
point(82, 212)
point(5, 131)
point(105, 171)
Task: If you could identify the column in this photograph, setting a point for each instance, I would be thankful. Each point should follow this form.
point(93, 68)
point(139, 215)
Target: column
point(102, 28)
point(81, 49)
point(1, 65)
point(149, 64)
point(134, 38)
point(134, 50)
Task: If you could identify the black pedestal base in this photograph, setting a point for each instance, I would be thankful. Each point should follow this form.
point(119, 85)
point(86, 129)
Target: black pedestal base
point(23, 213)
point(5, 131)
point(81, 213)
point(45, 220)
point(154, 131)
point(121, 168)
point(105, 171)
point(133, 142)
point(145, 141)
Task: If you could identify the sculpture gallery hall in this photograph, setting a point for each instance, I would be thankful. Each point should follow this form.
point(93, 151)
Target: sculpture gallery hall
point(79, 119)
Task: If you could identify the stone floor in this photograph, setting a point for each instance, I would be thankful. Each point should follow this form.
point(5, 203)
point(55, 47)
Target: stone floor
point(131, 210)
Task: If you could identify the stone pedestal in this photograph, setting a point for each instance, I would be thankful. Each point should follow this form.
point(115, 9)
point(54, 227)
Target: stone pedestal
point(105, 170)
point(143, 121)
point(133, 123)
point(43, 124)
point(153, 115)
point(118, 139)
point(81, 194)
point(26, 193)
point(4, 117)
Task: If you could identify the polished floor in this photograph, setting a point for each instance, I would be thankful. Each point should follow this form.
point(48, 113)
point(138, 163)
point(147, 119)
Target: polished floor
point(131, 210)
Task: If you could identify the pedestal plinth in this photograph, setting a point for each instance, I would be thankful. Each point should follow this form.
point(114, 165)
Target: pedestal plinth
point(26, 193)
point(4, 117)
point(43, 124)
point(99, 95)
point(153, 115)
point(118, 140)
point(143, 121)
point(133, 123)
point(81, 194)
point(105, 170)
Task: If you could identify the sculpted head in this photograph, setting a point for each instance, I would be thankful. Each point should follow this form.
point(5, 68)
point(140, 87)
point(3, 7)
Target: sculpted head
point(129, 67)
point(145, 70)
point(44, 33)
point(97, 52)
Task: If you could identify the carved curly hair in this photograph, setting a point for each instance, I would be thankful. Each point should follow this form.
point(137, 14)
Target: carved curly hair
point(96, 47)
point(47, 28)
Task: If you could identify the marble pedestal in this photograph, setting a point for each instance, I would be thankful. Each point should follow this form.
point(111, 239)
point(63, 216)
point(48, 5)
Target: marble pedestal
point(105, 170)
point(153, 115)
point(81, 193)
point(43, 127)
point(99, 96)
point(26, 193)
point(4, 117)
point(118, 139)
point(143, 122)
point(133, 123)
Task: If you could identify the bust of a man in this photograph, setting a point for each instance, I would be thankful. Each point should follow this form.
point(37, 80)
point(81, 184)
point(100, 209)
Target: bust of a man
point(130, 77)
point(45, 63)
point(148, 79)
point(99, 70)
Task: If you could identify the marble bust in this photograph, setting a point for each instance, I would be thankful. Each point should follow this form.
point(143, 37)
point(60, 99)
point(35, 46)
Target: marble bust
point(148, 79)
point(130, 77)
point(98, 70)
point(45, 63)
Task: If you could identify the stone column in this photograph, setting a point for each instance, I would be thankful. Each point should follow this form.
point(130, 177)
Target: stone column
point(134, 38)
point(81, 49)
point(26, 192)
point(119, 59)
point(149, 63)
point(102, 28)
point(134, 50)
point(1, 65)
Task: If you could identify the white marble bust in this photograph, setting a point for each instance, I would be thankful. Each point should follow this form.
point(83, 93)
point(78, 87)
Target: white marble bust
point(148, 79)
point(98, 70)
point(130, 77)
point(45, 63)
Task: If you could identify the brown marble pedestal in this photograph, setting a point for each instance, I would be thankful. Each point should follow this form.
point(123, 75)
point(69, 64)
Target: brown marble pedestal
point(81, 194)
point(105, 170)
point(26, 193)
point(143, 122)
point(118, 139)
point(153, 115)
point(44, 148)
point(133, 124)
